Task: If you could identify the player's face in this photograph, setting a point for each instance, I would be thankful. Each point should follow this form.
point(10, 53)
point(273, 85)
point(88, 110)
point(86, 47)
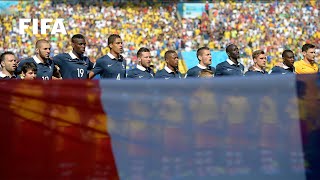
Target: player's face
point(79, 45)
point(117, 46)
point(234, 52)
point(30, 75)
point(172, 60)
point(9, 63)
point(261, 60)
point(44, 50)
point(310, 54)
point(145, 59)
point(288, 59)
point(205, 57)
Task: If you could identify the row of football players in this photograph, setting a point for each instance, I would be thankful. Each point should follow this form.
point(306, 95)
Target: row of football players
point(74, 65)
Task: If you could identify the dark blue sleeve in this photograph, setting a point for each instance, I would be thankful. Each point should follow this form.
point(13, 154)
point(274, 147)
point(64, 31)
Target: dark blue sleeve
point(98, 67)
point(219, 70)
point(57, 60)
point(249, 73)
point(90, 65)
point(158, 74)
point(213, 70)
point(131, 74)
point(275, 70)
point(21, 63)
point(193, 73)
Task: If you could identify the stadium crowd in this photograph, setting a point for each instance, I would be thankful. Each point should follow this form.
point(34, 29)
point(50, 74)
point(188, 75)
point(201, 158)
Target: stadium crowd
point(269, 26)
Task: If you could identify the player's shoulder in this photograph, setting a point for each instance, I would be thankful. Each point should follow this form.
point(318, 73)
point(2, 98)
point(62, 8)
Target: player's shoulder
point(224, 63)
point(211, 68)
point(29, 59)
point(134, 70)
point(62, 56)
point(195, 68)
point(104, 58)
point(277, 68)
point(297, 63)
point(160, 72)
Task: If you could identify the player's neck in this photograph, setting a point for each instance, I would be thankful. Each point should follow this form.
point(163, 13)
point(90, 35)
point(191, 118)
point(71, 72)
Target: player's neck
point(40, 58)
point(79, 56)
point(116, 55)
point(202, 64)
point(173, 68)
point(234, 60)
point(258, 67)
point(7, 73)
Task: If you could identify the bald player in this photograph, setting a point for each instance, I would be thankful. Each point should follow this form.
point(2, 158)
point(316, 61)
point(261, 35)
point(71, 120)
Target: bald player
point(46, 69)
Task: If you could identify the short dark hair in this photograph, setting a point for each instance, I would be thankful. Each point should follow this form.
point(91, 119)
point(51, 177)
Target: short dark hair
point(77, 36)
point(228, 47)
point(286, 52)
point(112, 38)
point(141, 50)
point(2, 56)
point(168, 52)
point(40, 42)
point(257, 53)
point(199, 51)
point(28, 66)
point(307, 46)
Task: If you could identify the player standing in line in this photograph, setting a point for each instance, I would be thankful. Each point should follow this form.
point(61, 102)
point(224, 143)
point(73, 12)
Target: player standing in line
point(112, 65)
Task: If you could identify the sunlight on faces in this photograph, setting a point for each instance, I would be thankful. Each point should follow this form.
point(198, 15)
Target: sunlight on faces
point(172, 60)
point(117, 46)
point(79, 45)
point(29, 75)
point(310, 54)
point(288, 59)
point(145, 59)
point(261, 60)
point(9, 63)
point(44, 50)
point(205, 57)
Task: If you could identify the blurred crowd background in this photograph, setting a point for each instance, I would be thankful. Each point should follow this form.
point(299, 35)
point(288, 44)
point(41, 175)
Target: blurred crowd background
point(271, 26)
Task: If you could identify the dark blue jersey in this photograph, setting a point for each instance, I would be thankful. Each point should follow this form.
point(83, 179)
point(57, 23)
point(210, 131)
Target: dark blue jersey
point(140, 73)
point(255, 73)
point(71, 67)
point(167, 73)
point(228, 68)
point(281, 70)
point(44, 70)
point(196, 70)
point(110, 67)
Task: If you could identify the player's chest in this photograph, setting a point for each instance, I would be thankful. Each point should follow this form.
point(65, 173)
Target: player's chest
point(76, 65)
point(115, 66)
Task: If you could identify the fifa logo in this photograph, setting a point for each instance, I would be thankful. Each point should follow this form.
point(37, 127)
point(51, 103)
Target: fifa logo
point(58, 26)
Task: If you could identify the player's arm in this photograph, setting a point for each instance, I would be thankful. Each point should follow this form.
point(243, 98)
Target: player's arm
point(56, 70)
point(56, 73)
point(91, 75)
point(97, 68)
point(219, 70)
point(20, 64)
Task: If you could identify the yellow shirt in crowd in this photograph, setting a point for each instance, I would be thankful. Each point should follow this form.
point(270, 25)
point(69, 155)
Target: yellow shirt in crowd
point(303, 67)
